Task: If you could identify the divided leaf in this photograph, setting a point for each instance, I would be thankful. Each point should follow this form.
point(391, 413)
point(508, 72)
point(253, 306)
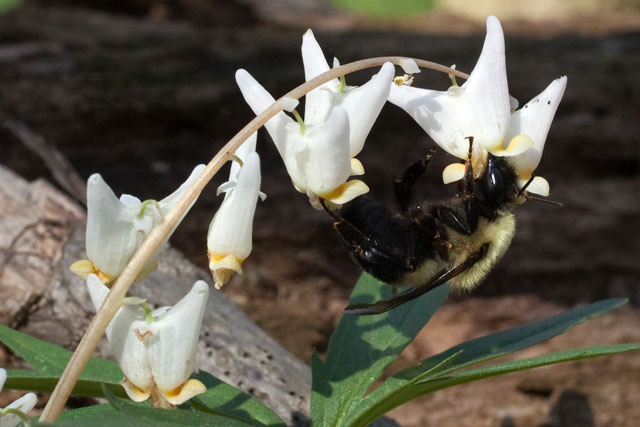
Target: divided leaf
point(362, 347)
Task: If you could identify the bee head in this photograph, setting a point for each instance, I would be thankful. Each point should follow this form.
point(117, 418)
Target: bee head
point(498, 182)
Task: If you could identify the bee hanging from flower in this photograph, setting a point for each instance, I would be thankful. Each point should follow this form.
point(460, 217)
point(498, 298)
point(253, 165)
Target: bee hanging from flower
point(459, 240)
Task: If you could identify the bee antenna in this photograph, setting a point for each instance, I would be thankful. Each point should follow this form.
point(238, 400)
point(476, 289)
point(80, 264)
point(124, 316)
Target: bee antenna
point(524, 187)
point(540, 199)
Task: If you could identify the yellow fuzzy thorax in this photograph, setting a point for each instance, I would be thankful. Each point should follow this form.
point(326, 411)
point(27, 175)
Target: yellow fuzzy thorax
point(497, 233)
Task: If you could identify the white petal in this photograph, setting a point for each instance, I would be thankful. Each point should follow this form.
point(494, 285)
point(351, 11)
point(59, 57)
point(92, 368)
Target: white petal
point(534, 120)
point(538, 185)
point(346, 192)
point(453, 172)
point(288, 104)
point(317, 102)
point(3, 377)
point(259, 100)
point(231, 229)
point(363, 105)
point(25, 404)
point(328, 164)
point(111, 234)
point(124, 337)
point(170, 201)
point(409, 66)
point(172, 346)
point(247, 147)
point(479, 108)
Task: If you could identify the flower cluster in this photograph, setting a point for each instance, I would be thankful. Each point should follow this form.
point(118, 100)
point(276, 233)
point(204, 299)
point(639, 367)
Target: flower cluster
point(156, 348)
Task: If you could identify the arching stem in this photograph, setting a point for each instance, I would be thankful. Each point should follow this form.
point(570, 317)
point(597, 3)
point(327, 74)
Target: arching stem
point(162, 230)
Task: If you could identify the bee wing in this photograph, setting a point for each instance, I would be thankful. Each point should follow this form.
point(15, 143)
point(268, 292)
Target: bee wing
point(415, 292)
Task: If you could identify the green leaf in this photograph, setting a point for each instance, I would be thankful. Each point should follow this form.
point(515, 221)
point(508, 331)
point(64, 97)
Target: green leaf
point(126, 413)
point(80, 416)
point(221, 398)
point(49, 361)
point(140, 414)
point(386, 8)
point(362, 347)
point(397, 389)
point(429, 386)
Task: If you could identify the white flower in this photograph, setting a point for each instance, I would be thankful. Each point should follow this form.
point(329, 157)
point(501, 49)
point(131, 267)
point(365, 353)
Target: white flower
point(482, 108)
point(362, 104)
point(117, 227)
point(231, 229)
point(319, 152)
point(8, 417)
point(156, 350)
point(316, 156)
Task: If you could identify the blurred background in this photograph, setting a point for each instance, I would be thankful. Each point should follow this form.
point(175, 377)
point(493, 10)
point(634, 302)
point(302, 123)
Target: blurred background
point(142, 90)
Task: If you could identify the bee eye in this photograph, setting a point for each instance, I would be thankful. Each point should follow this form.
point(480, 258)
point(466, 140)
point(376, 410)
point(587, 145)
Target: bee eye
point(493, 184)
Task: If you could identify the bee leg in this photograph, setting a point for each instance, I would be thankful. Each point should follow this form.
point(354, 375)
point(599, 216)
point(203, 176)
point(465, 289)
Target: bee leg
point(403, 186)
point(415, 292)
point(450, 218)
point(383, 262)
point(470, 201)
point(384, 259)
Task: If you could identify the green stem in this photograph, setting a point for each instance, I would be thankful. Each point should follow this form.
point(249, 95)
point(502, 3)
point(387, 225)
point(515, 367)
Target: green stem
point(17, 412)
point(161, 231)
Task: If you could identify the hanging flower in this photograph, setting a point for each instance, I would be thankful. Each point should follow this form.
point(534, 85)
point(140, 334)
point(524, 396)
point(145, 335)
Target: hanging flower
point(117, 227)
point(231, 229)
point(17, 411)
point(316, 156)
point(362, 104)
point(482, 108)
point(156, 349)
point(319, 151)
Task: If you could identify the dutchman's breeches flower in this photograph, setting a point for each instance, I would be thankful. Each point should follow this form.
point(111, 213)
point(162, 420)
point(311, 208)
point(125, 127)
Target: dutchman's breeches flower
point(482, 108)
point(230, 231)
point(316, 156)
point(17, 411)
point(117, 227)
point(362, 104)
point(319, 152)
point(156, 350)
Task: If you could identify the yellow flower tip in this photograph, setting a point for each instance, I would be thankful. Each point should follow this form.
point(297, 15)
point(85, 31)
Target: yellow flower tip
point(134, 392)
point(223, 267)
point(518, 145)
point(184, 392)
point(539, 186)
point(347, 192)
point(356, 167)
point(452, 173)
point(84, 268)
point(405, 80)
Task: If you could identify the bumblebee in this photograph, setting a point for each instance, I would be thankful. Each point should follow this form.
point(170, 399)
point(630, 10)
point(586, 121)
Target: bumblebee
point(421, 246)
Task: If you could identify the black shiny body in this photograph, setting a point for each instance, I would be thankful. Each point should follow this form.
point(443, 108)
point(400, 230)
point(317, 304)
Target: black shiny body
point(392, 245)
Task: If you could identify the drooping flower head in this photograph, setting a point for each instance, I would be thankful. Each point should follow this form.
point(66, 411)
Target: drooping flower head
point(231, 229)
point(482, 108)
point(117, 227)
point(319, 152)
point(156, 349)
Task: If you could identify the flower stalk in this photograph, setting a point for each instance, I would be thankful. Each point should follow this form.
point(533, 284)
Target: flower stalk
point(161, 231)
